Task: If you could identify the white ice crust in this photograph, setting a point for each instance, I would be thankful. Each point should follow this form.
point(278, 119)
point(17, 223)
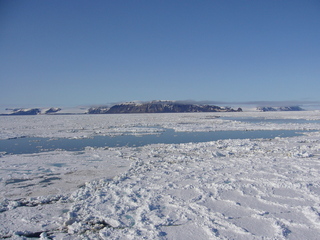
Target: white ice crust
point(84, 126)
point(226, 189)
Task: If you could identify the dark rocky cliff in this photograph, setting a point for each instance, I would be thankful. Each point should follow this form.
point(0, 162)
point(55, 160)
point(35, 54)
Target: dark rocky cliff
point(52, 110)
point(159, 107)
point(98, 110)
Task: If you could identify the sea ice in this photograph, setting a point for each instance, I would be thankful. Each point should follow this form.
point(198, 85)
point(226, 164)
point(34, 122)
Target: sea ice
point(225, 189)
point(84, 126)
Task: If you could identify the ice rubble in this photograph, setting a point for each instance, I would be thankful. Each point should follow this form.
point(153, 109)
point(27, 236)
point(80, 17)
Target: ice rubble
point(239, 189)
point(226, 189)
point(83, 126)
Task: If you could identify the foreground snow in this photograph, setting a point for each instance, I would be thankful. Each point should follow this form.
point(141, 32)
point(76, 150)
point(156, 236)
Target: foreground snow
point(226, 189)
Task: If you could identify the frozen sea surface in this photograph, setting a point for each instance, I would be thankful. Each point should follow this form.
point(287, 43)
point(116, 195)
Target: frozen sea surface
point(225, 189)
point(84, 126)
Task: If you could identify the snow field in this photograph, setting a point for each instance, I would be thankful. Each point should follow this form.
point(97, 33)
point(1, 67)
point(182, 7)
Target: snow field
point(237, 189)
point(57, 172)
point(84, 126)
point(226, 189)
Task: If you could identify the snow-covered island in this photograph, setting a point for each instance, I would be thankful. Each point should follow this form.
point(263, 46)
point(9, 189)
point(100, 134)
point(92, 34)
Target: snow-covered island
point(30, 111)
point(290, 108)
point(225, 189)
point(156, 106)
point(159, 107)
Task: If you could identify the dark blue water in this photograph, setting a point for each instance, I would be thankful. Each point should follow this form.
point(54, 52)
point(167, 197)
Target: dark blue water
point(35, 145)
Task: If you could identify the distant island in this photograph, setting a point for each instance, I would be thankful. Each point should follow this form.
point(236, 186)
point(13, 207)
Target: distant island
point(268, 109)
point(140, 107)
point(31, 111)
point(159, 107)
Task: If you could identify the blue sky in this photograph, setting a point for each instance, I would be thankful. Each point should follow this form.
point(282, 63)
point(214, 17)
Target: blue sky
point(80, 52)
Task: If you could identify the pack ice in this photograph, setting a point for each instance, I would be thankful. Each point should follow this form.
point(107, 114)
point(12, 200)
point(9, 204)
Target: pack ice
point(225, 189)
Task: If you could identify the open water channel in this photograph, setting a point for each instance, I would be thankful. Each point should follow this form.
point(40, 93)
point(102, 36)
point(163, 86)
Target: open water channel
point(28, 145)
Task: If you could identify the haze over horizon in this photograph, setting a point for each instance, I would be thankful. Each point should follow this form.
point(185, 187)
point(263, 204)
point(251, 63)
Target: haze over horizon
point(71, 53)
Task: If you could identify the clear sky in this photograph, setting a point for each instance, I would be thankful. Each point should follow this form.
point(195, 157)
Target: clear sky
point(81, 52)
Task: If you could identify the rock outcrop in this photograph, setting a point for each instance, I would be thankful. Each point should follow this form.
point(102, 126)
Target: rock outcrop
point(52, 110)
point(98, 110)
